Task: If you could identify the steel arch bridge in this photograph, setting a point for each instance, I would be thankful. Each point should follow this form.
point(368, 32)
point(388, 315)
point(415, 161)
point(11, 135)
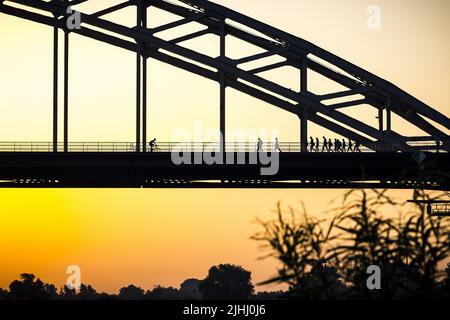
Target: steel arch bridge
point(385, 167)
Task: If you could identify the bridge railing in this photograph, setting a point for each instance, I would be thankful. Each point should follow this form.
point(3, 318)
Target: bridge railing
point(187, 147)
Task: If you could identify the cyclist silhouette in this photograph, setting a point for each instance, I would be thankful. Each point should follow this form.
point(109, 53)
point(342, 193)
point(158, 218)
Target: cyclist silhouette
point(153, 146)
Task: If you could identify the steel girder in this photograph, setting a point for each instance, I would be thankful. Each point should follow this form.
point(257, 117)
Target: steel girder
point(297, 53)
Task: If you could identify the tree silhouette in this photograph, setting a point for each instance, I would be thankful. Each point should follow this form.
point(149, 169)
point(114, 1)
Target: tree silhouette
point(161, 293)
point(68, 293)
point(87, 293)
point(131, 293)
point(30, 288)
point(3, 294)
point(227, 281)
point(189, 289)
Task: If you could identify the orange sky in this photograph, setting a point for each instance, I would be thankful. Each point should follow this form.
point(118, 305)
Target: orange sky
point(149, 237)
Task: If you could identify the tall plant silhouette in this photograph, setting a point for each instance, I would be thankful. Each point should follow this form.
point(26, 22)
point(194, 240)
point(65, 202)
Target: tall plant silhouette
point(297, 241)
point(367, 228)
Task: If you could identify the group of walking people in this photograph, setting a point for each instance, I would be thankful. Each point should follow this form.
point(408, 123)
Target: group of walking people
point(314, 145)
point(328, 145)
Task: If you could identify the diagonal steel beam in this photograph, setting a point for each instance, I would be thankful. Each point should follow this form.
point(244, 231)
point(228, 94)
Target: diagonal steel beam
point(343, 94)
point(190, 36)
point(261, 55)
point(115, 8)
point(171, 25)
point(347, 104)
point(268, 67)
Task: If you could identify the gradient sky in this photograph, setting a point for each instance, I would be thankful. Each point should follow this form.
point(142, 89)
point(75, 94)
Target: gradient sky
point(150, 237)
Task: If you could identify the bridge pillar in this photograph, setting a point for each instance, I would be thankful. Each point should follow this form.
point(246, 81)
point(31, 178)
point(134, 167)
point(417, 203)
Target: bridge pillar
point(304, 75)
point(380, 119)
point(144, 89)
point(139, 10)
point(222, 90)
point(304, 131)
point(55, 86)
point(303, 116)
point(66, 90)
point(388, 115)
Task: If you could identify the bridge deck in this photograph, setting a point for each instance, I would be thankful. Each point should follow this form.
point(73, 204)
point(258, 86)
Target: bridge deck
point(114, 146)
point(296, 170)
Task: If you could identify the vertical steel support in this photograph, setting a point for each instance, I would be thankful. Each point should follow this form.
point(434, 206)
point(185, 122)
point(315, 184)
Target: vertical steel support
point(144, 89)
point(304, 75)
point(303, 116)
point(388, 115)
point(222, 91)
point(55, 86)
point(66, 90)
point(380, 119)
point(138, 78)
point(304, 131)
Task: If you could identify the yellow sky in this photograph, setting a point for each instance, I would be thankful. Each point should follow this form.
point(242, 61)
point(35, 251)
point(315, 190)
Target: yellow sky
point(152, 237)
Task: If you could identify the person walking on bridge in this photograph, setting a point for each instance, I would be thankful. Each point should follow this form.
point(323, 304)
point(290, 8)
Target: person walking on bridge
point(325, 144)
point(330, 145)
point(337, 145)
point(350, 145)
point(277, 146)
point(259, 145)
point(311, 144)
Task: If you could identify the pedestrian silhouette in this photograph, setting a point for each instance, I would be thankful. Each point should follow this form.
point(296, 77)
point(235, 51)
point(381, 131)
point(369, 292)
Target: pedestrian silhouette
point(344, 145)
point(277, 145)
point(259, 145)
point(325, 144)
point(317, 144)
point(311, 144)
point(330, 145)
point(350, 145)
point(357, 145)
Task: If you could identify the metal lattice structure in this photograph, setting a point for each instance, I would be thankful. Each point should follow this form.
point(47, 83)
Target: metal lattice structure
point(221, 22)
